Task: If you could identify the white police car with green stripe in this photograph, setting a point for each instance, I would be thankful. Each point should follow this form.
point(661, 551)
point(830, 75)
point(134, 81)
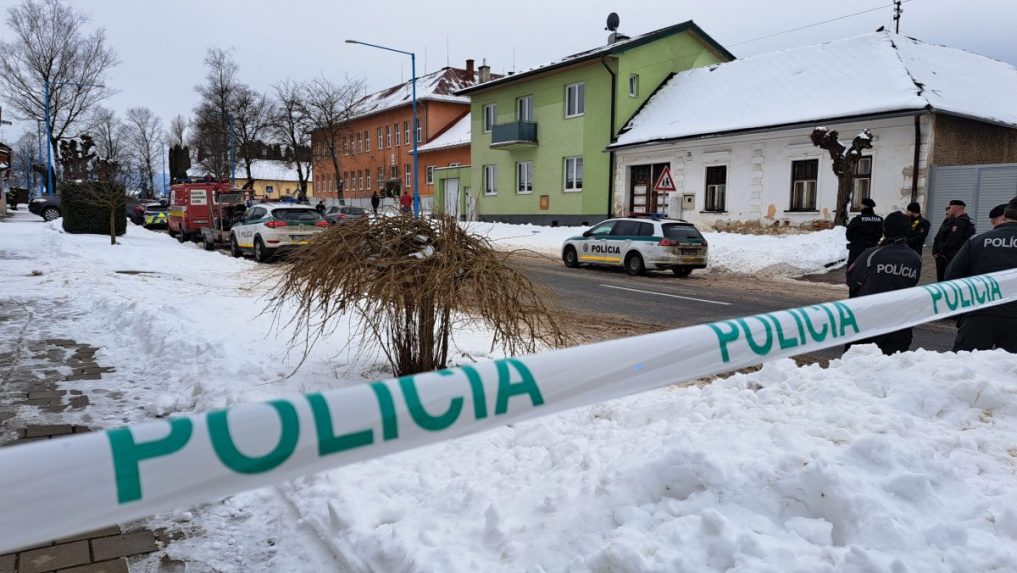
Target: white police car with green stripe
point(269, 228)
point(639, 244)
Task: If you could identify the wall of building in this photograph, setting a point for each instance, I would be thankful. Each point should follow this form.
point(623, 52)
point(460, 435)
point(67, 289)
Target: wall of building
point(440, 158)
point(465, 206)
point(758, 187)
point(961, 141)
point(280, 188)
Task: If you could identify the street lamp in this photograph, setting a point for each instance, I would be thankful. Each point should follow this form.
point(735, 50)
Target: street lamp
point(413, 70)
point(49, 132)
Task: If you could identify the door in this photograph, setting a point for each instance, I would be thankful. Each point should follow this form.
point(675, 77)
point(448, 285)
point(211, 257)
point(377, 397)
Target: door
point(643, 199)
point(452, 197)
point(599, 246)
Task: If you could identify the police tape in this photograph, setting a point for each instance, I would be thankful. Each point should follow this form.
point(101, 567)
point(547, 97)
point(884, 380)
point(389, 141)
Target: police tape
point(66, 486)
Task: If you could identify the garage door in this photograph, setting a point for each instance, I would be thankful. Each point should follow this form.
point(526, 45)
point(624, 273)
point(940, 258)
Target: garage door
point(982, 187)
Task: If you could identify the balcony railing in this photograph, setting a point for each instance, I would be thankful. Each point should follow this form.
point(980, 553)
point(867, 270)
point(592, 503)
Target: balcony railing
point(517, 133)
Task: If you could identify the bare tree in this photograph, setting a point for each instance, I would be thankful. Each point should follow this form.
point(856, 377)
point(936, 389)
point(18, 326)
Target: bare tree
point(110, 136)
point(210, 130)
point(252, 119)
point(25, 166)
point(143, 130)
point(291, 126)
point(51, 49)
point(844, 162)
point(177, 131)
point(329, 107)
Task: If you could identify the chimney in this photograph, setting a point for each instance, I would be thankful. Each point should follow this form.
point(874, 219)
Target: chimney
point(469, 70)
point(485, 72)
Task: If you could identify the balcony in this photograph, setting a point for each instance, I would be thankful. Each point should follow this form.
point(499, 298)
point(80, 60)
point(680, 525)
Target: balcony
point(515, 135)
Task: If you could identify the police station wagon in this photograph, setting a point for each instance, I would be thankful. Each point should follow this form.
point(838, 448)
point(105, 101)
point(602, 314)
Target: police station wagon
point(639, 244)
point(268, 228)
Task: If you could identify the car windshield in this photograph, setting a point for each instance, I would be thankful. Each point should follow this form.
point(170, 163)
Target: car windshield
point(354, 211)
point(681, 232)
point(296, 215)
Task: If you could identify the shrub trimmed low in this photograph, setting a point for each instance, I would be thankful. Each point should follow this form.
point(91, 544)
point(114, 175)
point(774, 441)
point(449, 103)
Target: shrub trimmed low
point(83, 213)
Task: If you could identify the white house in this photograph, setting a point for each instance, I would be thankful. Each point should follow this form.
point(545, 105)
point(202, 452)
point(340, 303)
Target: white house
point(735, 136)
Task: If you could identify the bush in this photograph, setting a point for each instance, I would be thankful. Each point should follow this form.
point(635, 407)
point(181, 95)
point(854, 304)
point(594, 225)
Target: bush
point(83, 213)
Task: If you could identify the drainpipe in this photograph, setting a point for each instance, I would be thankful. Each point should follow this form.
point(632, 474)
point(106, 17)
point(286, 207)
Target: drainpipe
point(914, 168)
point(611, 138)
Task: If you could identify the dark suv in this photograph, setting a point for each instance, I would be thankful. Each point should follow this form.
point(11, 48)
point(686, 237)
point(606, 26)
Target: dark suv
point(48, 207)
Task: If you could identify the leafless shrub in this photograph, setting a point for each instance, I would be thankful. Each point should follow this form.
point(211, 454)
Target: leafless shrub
point(411, 282)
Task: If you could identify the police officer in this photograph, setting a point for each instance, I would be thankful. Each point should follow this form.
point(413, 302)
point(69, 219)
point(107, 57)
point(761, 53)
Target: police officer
point(864, 230)
point(892, 265)
point(956, 229)
point(920, 227)
point(996, 215)
point(995, 250)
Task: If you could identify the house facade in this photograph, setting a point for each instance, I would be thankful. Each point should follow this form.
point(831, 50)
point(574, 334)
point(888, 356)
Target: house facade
point(377, 142)
point(539, 136)
point(271, 179)
point(735, 142)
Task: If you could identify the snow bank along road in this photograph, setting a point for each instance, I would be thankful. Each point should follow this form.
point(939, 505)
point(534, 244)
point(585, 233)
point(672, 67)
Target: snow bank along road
point(901, 463)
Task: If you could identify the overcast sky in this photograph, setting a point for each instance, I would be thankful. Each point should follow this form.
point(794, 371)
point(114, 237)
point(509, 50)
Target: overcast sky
point(161, 43)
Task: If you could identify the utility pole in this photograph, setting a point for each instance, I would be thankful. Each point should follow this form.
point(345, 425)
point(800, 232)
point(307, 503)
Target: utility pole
point(896, 15)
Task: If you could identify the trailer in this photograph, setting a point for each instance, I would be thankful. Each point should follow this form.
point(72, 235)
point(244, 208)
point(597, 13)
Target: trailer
point(229, 208)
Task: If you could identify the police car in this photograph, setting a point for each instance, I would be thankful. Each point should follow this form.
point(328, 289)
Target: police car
point(269, 228)
point(639, 244)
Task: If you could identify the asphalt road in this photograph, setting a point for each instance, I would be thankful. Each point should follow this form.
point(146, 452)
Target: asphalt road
point(663, 300)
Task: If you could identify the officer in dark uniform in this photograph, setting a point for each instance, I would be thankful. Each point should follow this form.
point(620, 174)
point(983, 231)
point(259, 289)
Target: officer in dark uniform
point(920, 227)
point(956, 229)
point(892, 265)
point(995, 250)
point(864, 230)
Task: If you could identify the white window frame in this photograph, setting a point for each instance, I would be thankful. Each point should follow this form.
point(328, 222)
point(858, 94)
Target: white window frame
point(381, 177)
point(633, 85)
point(805, 188)
point(577, 167)
point(491, 179)
point(406, 133)
point(579, 89)
point(524, 108)
point(419, 130)
point(367, 140)
point(430, 175)
point(489, 117)
point(409, 175)
point(722, 189)
point(856, 201)
point(381, 139)
point(360, 144)
point(524, 177)
point(388, 136)
point(398, 135)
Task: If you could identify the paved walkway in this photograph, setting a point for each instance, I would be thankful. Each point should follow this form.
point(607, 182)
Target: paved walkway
point(39, 401)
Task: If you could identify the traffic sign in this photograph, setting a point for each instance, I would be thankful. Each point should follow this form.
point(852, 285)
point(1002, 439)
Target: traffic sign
point(664, 182)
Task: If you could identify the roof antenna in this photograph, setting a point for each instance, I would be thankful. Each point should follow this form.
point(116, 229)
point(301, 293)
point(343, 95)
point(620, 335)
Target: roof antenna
point(897, 9)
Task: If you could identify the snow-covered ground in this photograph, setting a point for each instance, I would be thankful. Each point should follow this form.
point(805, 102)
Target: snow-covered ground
point(903, 463)
point(756, 255)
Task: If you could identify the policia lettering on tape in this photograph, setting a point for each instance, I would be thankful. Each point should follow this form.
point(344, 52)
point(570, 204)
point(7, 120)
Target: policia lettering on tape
point(810, 324)
point(513, 379)
point(963, 293)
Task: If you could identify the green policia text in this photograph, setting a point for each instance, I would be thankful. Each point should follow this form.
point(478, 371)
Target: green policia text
point(963, 293)
point(128, 453)
point(811, 324)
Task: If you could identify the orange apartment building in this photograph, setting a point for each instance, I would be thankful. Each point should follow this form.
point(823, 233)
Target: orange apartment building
point(376, 149)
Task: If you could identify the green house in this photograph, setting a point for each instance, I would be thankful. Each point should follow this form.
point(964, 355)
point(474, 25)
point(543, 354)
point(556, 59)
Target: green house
point(538, 137)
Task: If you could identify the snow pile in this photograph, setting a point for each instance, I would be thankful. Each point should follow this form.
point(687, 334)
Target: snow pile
point(757, 255)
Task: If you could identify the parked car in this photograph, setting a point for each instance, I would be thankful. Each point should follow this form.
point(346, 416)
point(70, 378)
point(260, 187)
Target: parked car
point(639, 244)
point(339, 214)
point(46, 206)
point(155, 215)
point(271, 228)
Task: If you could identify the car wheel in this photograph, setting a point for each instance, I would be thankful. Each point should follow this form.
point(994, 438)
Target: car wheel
point(50, 213)
point(171, 232)
point(681, 271)
point(634, 264)
point(261, 253)
point(235, 248)
point(181, 237)
point(209, 245)
point(570, 257)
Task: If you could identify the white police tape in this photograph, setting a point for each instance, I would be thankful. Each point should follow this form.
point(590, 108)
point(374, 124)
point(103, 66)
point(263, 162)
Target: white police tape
point(66, 486)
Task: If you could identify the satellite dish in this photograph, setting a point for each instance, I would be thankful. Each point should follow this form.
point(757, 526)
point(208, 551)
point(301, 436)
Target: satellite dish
point(612, 21)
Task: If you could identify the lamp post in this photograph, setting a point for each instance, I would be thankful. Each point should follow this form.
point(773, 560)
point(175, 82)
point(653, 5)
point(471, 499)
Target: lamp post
point(163, 190)
point(38, 133)
point(413, 71)
point(49, 131)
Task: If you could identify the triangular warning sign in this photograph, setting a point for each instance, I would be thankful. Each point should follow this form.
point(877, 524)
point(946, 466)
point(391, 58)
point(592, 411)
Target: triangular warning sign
point(664, 182)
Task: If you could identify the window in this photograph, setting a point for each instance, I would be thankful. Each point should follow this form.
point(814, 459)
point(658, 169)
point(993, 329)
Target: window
point(388, 136)
point(395, 172)
point(360, 180)
point(524, 108)
point(633, 85)
point(573, 173)
point(418, 130)
point(406, 132)
point(602, 230)
point(398, 134)
point(716, 188)
point(524, 177)
point(360, 143)
point(367, 184)
point(575, 100)
point(490, 113)
point(346, 149)
point(862, 183)
point(381, 139)
point(627, 228)
point(381, 177)
point(804, 175)
point(408, 170)
point(367, 140)
point(430, 174)
point(490, 179)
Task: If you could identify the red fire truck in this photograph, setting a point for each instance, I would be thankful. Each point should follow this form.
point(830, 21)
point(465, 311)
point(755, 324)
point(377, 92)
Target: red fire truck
point(197, 205)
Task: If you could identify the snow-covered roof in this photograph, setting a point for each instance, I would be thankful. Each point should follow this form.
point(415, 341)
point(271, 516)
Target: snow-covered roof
point(262, 169)
point(870, 74)
point(440, 85)
point(615, 47)
point(458, 134)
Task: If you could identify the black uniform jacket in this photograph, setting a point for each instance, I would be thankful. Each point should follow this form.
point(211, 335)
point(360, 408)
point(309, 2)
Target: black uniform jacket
point(885, 268)
point(952, 234)
point(865, 230)
point(994, 250)
point(920, 227)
